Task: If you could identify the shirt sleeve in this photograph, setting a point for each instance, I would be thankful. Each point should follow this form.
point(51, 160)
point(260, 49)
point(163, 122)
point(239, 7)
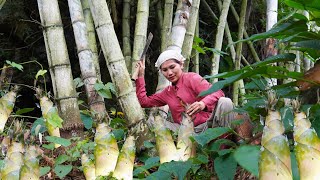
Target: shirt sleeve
point(145, 101)
point(199, 84)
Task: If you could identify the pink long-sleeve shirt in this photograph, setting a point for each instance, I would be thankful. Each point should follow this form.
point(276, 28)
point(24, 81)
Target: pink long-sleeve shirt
point(186, 91)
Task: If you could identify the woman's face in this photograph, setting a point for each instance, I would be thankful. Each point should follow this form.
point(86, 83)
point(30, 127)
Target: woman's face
point(172, 70)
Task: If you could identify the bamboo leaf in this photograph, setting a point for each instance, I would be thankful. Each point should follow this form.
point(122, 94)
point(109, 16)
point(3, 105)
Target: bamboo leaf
point(248, 157)
point(41, 73)
point(62, 170)
point(313, 44)
point(58, 140)
point(24, 110)
point(210, 134)
point(225, 167)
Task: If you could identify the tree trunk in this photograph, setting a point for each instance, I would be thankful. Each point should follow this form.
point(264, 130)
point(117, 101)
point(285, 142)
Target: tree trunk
point(188, 40)
point(88, 71)
point(91, 36)
point(167, 25)
point(140, 33)
point(59, 65)
point(126, 33)
point(219, 37)
point(115, 62)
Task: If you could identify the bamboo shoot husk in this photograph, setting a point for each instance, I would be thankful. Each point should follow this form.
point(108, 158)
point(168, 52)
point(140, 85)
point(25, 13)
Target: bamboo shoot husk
point(88, 167)
point(307, 147)
point(13, 162)
point(184, 145)
point(275, 160)
point(106, 151)
point(124, 168)
point(164, 142)
point(50, 112)
point(30, 169)
point(6, 106)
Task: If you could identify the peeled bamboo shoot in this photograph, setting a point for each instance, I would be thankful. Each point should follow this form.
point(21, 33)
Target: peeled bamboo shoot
point(30, 169)
point(164, 142)
point(124, 168)
point(51, 116)
point(106, 151)
point(275, 160)
point(88, 167)
point(13, 162)
point(307, 147)
point(6, 106)
point(184, 145)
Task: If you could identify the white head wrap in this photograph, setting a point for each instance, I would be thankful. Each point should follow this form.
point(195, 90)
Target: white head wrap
point(169, 54)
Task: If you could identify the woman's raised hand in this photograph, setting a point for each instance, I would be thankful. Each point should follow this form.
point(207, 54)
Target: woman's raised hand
point(139, 69)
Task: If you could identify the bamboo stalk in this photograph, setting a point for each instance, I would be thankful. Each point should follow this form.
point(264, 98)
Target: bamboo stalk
point(59, 65)
point(167, 24)
point(250, 44)
point(115, 62)
point(91, 36)
point(88, 71)
point(219, 37)
point(236, 85)
point(140, 33)
point(126, 33)
point(188, 40)
point(195, 53)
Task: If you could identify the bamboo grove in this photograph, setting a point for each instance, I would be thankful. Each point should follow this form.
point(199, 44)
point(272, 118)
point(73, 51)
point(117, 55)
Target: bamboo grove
point(95, 139)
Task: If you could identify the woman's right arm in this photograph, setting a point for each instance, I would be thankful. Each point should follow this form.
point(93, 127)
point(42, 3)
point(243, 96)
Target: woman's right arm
point(144, 100)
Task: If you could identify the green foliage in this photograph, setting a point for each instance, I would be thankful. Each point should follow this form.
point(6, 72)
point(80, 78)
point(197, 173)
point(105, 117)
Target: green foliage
point(248, 157)
point(176, 169)
point(15, 65)
point(58, 140)
point(86, 119)
point(62, 170)
point(225, 167)
point(210, 134)
point(105, 90)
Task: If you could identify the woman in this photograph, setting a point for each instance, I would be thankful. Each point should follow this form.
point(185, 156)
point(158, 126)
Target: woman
point(208, 111)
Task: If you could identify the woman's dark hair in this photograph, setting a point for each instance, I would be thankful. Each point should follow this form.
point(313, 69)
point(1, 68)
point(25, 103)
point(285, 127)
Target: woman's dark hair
point(175, 60)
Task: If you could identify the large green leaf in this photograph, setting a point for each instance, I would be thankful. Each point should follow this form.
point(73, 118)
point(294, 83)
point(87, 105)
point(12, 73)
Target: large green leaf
point(87, 120)
point(150, 163)
point(178, 169)
point(62, 170)
point(248, 158)
point(36, 124)
point(210, 134)
point(225, 167)
point(312, 5)
point(44, 170)
point(58, 140)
